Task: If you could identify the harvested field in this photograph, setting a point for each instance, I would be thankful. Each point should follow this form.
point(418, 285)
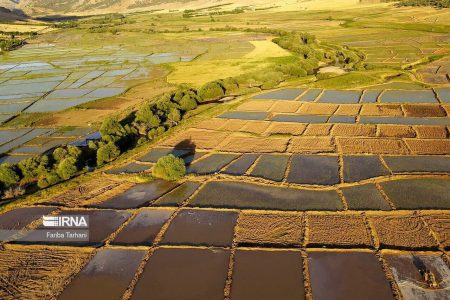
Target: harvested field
point(231, 194)
point(410, 271)
point(318, 130)
point(396, 131)
point(348, 110)
point(233, 125)
point(267, 275)
point(440, 225)
point(238, 143)
point(139, 195)
point(106, 276)
point(271, 167)
point(318, 109)
point(270, 229)
point(423, 193)
point(402, 232)
point(357, 168)
point(256, 105)
point(347, 275)
point(381, 110)
point(285, 128)
point(365, 197)
point(196, 274)
point(178, 195)
point(258, 127)
point(241, 165)
point(211, 164)
point(201, 139)
point(144, 227)
point(353, 130)
point(429, 110)
point(37, 272)
point(211, 124)
point(337, 230)
point(130, 168)
point(311, 145)
point(157, 153)
point(285, 107)
point(431, 132)
point(429, 146)
point(371, 146)
point(245, 115)
point(314, 169)
point(201, 228)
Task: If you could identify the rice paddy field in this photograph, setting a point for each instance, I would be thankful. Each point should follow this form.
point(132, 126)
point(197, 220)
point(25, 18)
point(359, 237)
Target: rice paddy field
point(322, 188)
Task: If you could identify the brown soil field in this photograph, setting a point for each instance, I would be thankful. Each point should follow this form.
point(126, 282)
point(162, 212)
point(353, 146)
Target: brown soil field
point(371, 146)
point(425, 110)
point(202, 139)
point(285, 128)
point(431, 132)
point(446, 107)
point(311, 145)
point(258, 127)
point(430, 146)
point(440, 225)
point(348, 110)
point(402, 231)
point(256, 105)
point(399, 131)
point(238, 143)
point(354, 130)
point(381, 110)
point(211, 124)
point(259, 228)
point(337, 230)
point(285, 107)
point(318, 109)
point(37, 272)
point(91, 190)
point(233, 125)
point(318, 129)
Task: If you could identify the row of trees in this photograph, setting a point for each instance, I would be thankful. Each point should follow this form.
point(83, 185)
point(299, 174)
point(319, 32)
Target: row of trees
point(432, 3)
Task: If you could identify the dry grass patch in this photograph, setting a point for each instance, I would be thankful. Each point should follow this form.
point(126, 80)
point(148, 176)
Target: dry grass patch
point(285, 128)
point(317, 108)
point(285, 107)
point(256, 105)
point(348, 110)
point(446, 107)
point(398, 131)
point(233, 125)
point(424, 110)
point(371, 146)
point(38, 272)
point(211, 124)
point(342, 230)
point(254, 144)
point(270, 229)
point(354, 130)
point(202, 139)
point(440, 224)
point(381, 110)
point(318, 129)
point(255, 127)
point(402, 231)
point(430, 146)
point(311, 145)
point(431, 132)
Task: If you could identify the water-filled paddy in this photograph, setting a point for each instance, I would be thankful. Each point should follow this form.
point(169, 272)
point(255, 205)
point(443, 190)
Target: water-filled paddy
point(284, 94)
point(341, 97)
point(408, 96)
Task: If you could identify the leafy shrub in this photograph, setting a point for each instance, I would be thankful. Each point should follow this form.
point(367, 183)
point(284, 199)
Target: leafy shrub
point(32, 167)
point(106, 153)
point(174, 117)
point(48, 179)
point(67, 168)
point(187, 103)
point(211, 91)
point(155, 132)
point(8, 175)
point(146, 115)
point(111, 127)
point(170, 168)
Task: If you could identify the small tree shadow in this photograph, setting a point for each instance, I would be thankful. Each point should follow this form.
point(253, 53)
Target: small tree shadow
point(188, 145)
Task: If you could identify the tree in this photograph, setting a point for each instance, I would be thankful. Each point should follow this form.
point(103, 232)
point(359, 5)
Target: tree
point(146, 115)
point(169, 167)
point(8, 175)
point(174, 116)
point(48, 179)
point(59, 153)
point(111, 126)
point(67, 168)
point(107, 153)
point(187, 103)
point(211, 91)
